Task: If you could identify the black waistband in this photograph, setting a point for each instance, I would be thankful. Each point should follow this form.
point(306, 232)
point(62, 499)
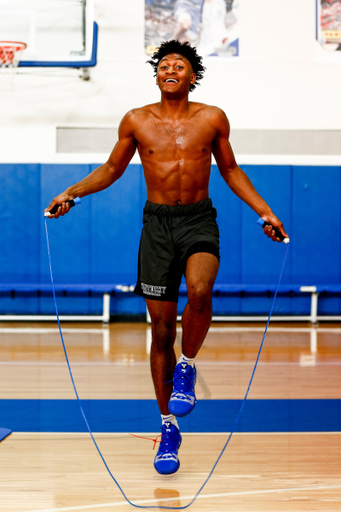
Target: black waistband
point(181, 210)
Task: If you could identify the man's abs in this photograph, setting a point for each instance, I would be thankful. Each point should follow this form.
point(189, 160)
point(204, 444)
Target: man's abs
point(177, 183)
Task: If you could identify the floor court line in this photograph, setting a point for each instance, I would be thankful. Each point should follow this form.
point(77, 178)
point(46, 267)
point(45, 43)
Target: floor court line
point(188, 498)
point(272, 329)
point(145, 363)
point(119, 434)
point(75, 330)
point(49, 330)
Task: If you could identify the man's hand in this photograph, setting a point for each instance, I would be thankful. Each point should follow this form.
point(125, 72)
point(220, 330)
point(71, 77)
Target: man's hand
point(272, 222)
point(63, 208)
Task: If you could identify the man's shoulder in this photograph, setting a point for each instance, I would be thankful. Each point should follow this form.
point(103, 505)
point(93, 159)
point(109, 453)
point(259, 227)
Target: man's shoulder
point(209, 110)
point(132, 120)
point(142, 111)
point(214, 117)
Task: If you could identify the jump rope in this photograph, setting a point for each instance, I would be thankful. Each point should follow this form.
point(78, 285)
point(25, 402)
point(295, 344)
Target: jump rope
point(263, 224)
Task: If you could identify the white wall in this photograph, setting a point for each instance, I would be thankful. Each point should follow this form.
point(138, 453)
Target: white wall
point(277, 84)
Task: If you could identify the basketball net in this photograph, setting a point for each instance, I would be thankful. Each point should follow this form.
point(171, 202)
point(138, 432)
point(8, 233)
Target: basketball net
point(10, 54)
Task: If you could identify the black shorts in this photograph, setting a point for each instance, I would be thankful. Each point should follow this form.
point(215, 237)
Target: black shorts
point(170, 235)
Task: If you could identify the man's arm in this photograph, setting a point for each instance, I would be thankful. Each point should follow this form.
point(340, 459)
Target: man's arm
point(238, 181)
point(106, 174)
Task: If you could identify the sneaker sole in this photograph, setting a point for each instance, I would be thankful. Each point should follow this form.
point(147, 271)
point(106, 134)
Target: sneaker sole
point(172, 410)
point(167, 472)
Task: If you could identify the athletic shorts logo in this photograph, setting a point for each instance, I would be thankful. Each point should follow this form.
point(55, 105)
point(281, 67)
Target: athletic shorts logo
point(155, 291)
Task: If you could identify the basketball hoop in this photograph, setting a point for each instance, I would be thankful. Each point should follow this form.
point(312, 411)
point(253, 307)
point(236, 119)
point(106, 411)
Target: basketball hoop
point(10, 54)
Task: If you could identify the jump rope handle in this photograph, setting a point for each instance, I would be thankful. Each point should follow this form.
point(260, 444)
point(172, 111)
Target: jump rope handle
point(54, 210)
point(279, 235)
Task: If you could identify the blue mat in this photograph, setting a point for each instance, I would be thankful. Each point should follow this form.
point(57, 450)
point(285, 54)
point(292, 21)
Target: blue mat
point(143, 416)
point(4, 432)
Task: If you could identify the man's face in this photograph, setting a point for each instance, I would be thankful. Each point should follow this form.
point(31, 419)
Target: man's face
point(174, 74)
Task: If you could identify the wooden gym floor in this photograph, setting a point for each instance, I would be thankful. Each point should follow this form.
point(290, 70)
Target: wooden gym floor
point(46, 465)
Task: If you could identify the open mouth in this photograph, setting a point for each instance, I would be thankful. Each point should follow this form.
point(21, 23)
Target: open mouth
point(171, 81)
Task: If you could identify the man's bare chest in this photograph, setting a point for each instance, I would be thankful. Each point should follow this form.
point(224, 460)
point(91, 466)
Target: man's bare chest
point(174, 136)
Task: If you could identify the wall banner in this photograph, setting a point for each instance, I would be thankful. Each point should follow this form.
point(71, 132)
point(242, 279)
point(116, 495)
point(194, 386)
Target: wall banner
point(328, 30)
point(210, 25)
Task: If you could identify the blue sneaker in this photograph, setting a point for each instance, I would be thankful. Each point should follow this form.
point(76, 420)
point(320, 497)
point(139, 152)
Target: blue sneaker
point(167, 461)
point(182, 400)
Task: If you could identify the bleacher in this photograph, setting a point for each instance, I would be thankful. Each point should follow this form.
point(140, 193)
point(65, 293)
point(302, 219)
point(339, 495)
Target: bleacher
point(110, 291)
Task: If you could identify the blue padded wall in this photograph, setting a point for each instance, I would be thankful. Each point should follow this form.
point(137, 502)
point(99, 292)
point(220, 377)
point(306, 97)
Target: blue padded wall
point(115, 231)
point(70, 238)
point(98, 241)
point(316, 228)
point(19, 234)
point(261, 258)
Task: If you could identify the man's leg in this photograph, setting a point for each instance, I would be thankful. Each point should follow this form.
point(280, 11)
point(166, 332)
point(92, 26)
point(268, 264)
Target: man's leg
point(201, 271)
point(162, 355)
point(162, 361)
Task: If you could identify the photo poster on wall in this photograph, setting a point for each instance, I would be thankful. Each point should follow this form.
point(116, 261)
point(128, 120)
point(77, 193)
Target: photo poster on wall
point(328, 31)
point(212, 26)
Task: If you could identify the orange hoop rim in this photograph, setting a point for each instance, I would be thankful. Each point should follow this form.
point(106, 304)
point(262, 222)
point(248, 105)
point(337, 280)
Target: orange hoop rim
point(13, 45)
point(10, 52)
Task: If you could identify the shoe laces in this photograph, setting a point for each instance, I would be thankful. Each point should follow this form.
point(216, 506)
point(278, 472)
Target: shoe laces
point(183, 383)
point(169, 440)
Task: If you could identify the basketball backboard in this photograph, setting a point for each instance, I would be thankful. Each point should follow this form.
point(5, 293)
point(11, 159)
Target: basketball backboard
point(58, 33)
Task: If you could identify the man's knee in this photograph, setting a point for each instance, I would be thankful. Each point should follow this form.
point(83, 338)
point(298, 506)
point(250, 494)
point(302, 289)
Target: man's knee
point(163, 318)
point(199, 295)
point(163, 333)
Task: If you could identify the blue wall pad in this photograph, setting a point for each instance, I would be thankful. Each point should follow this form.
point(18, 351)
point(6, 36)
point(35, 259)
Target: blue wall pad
point(102, 238)
point(4, 432)
point(143, 416)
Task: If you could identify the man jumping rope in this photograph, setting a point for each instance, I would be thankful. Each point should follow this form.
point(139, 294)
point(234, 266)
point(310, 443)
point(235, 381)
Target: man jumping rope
point(175, 139)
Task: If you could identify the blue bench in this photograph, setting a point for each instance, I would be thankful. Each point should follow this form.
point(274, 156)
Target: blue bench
point(228, 289)
point(109, 290)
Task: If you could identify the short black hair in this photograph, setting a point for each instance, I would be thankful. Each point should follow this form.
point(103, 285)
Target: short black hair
point(184, 49)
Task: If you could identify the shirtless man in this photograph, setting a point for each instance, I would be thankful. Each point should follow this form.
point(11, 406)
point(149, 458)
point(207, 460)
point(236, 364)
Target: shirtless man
point(175, 139)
